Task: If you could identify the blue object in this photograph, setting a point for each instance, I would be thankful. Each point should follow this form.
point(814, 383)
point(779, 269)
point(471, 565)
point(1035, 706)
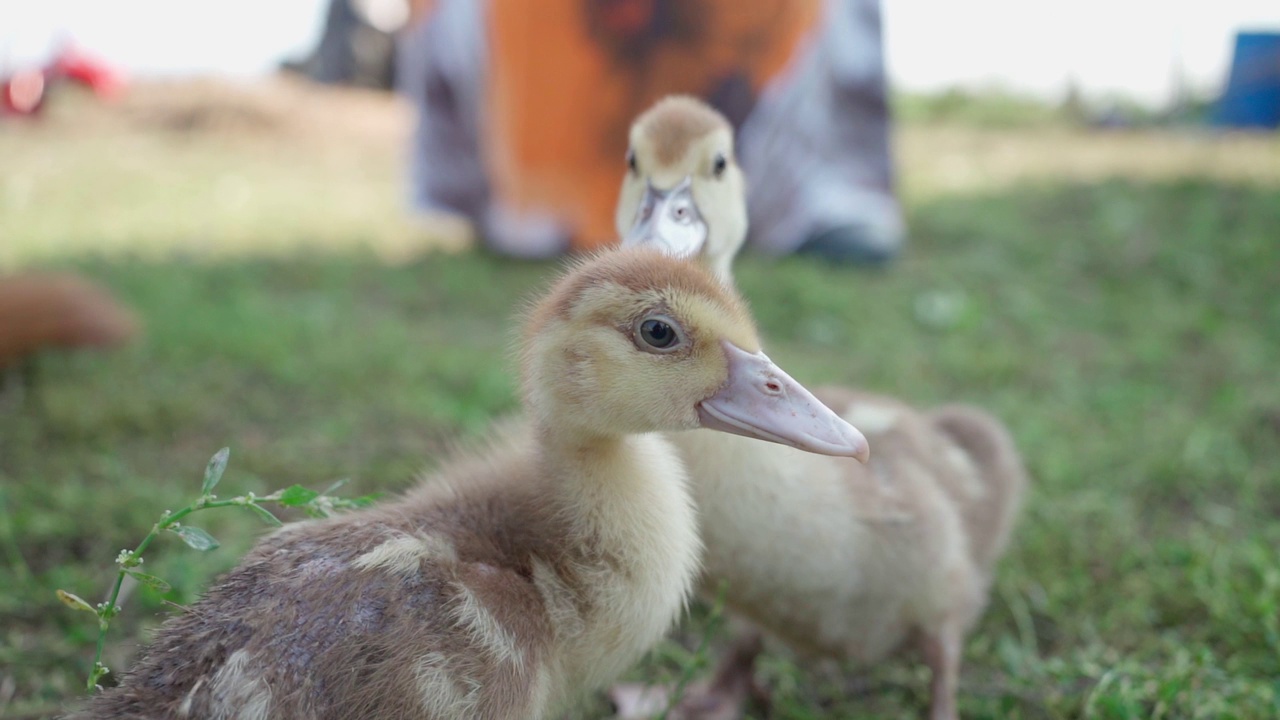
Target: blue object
point(1252, 97)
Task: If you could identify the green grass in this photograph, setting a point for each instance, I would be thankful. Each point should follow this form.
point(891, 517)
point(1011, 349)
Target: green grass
point(1128, 333)
point(996, 108)
point(986, 109)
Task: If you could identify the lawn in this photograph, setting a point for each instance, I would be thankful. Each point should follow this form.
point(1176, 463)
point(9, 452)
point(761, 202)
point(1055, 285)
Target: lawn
point(1122, 315)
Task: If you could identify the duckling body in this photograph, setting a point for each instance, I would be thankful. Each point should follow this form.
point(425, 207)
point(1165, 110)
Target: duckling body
point(446, 604)
point(515, 580)
point(838, 559)
point(849, 560)
point(858, 562)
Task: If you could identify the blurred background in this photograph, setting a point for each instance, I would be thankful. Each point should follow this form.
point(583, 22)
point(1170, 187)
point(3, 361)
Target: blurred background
point(1067, 212)
point(1144, 50)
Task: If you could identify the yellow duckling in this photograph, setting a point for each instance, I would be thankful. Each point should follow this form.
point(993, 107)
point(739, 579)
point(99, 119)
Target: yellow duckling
point(836, 558)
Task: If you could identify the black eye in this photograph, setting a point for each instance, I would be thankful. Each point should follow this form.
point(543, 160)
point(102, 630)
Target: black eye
point(658, 333)
point(720, 164)
point(631, 161)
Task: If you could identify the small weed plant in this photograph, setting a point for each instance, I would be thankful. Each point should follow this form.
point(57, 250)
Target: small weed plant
point(128, 562)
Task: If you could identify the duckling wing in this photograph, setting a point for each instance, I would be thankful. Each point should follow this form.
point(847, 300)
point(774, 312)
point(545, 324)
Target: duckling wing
point(986, 459)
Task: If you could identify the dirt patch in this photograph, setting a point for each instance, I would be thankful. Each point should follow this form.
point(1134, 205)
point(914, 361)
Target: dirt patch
point(938, 160)
point(278, 107)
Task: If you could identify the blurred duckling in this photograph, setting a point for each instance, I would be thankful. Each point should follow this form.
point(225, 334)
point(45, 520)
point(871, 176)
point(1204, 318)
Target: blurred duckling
point(40, 312)
point(517, 580)
point(838, 559)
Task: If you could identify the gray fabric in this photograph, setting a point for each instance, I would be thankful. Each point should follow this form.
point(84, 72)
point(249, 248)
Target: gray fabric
point(815, 146)
point(350, 51)
point(440, 68)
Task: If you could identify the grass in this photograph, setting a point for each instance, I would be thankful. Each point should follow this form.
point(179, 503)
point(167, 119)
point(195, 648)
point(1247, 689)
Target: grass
point(1127, 330)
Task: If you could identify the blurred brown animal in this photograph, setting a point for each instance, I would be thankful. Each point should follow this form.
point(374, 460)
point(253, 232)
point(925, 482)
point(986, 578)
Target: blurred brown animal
point(59, 310)
point(44, 311)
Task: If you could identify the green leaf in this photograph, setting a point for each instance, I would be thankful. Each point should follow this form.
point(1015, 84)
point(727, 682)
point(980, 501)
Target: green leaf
point(364, 500)
point(151, 581)
point(75, 602)
point(297, 496)
point(195, 538)
point(265, 514)
point(213, 471)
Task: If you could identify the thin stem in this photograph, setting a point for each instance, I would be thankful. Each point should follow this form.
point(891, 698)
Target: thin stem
point(8, 537)
point(108, 610)
point(315, 504)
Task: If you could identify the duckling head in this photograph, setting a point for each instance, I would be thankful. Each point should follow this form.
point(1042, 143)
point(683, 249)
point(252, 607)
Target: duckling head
point(683, 191)
point(636, 341)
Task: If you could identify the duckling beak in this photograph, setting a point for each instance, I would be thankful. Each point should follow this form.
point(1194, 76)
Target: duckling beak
point(669, 220)
point(761, 401)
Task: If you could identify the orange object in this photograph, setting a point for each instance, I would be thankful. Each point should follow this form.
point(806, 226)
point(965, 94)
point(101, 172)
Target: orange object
point(419, 11)
point(40, 311)
point(567, 77)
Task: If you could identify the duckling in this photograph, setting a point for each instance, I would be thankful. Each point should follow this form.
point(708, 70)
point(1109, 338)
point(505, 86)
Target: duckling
point(682, 191)
point(516, 580)
point(838, 559)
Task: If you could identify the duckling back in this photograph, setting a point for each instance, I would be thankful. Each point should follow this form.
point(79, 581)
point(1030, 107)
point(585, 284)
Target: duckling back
point(406, 611)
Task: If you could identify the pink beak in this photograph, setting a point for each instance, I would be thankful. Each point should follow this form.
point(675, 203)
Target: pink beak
point(761, 401)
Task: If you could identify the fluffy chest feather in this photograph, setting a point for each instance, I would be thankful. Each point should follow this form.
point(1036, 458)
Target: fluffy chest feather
point(637, 519)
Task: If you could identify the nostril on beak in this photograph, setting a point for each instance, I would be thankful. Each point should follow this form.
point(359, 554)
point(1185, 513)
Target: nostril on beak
point(773, 387)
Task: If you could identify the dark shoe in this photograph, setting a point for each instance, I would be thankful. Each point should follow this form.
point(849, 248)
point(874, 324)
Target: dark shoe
point(853, 245)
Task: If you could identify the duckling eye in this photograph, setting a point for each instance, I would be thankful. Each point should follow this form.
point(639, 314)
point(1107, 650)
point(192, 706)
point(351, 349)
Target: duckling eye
point(631, 161)
point(658, 333)
point(721, 162)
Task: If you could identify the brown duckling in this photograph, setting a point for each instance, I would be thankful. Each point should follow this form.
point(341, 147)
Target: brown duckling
point(516, 580)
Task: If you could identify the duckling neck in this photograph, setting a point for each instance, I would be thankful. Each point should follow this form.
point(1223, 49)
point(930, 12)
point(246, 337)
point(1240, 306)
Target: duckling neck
point(631, 512)
point(630, 491)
